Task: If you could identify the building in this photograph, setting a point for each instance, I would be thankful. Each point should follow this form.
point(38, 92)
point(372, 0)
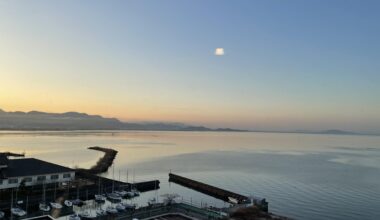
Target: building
point(32, 171)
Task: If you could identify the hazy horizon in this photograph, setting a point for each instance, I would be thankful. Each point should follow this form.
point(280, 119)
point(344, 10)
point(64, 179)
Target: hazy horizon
point(257, 65)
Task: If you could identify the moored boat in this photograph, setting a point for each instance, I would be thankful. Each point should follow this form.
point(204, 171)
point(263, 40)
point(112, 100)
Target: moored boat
point(86, 215)
point(129, 206)
point(18, 211)
point(111, 210)
point(135, 192)
point(233, 200)
point(68, 203)
point(130, 194)
point(101, 212)
point(44, 207)
point(56, 205)
point(121, 193)
point(114, 197)
point(100, 198)
point(74, 217)
point(152, 201)
point(120, 207)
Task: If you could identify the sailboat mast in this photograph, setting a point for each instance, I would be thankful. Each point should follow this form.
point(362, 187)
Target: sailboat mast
point(55, 191)
point(113, 178)
point(27, 203)
point(43, 193)
point(12, 199)
point(12, 205)
point(99, 186)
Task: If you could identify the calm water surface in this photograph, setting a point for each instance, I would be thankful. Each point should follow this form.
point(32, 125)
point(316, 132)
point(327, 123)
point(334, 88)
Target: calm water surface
point(302, 176)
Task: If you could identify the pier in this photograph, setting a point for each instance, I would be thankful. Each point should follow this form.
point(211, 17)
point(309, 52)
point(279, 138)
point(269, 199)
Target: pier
point(222, 194)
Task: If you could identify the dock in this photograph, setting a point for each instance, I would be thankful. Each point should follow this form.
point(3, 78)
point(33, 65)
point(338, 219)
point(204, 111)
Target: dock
point(222, 194)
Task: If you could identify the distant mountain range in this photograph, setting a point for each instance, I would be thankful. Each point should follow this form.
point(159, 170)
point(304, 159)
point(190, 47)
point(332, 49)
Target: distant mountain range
point(336, 131)
point(330, 131)
point(35, 120)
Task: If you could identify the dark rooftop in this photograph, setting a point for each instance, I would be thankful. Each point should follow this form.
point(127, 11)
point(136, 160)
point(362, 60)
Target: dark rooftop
point(4, 160)
point(31, 167)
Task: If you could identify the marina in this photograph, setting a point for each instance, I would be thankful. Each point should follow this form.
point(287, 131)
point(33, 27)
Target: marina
point(31, 187)
point(83, 194)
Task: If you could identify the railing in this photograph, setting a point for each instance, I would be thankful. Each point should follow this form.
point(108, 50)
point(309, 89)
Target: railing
point(186, 209)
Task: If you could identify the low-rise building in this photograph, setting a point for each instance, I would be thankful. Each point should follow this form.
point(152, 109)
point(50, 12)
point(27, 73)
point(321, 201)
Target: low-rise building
point(31, 171)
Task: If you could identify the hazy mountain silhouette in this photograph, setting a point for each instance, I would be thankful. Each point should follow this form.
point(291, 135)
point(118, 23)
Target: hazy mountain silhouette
point(35, 120)
point(336, 131)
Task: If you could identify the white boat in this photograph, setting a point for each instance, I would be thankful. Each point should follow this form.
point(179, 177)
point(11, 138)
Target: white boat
point(130, 194)
point(120, 207)
point(152, 201)
point(56, 205)
point(44, 207)
point(114, 197)
point(111, 210)
point(18, 211)
point(121, 193)
point(68, 203)
point(101, 212)
point(135, 192)
point(86, 215)
point(169, 199)
point(100, 198)
point(233, 200)
point(74, 217)
point(2, 214)
point(129, 206)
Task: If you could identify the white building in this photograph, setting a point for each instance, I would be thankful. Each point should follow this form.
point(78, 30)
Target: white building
point(32, 171)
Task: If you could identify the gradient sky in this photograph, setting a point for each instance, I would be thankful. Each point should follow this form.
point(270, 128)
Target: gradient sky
point(287, 64)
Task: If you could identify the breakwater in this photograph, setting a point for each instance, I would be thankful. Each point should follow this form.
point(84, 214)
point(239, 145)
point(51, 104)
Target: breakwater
point(104, 163)
point(213, 191)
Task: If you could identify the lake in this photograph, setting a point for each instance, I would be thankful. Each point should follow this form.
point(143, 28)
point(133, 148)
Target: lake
point(304, 176)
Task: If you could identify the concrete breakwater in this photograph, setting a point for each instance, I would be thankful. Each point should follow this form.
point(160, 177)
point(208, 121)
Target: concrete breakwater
point(104, 163)
point(213, 191)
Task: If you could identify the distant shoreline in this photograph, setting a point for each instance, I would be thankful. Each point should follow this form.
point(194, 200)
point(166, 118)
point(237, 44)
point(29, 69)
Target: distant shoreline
point(201, 131)
point(76, 121)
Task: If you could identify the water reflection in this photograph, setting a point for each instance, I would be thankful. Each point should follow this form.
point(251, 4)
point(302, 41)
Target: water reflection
point(303, 176)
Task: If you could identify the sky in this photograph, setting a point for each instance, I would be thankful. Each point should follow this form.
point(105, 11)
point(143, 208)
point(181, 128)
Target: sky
point(286, 65)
